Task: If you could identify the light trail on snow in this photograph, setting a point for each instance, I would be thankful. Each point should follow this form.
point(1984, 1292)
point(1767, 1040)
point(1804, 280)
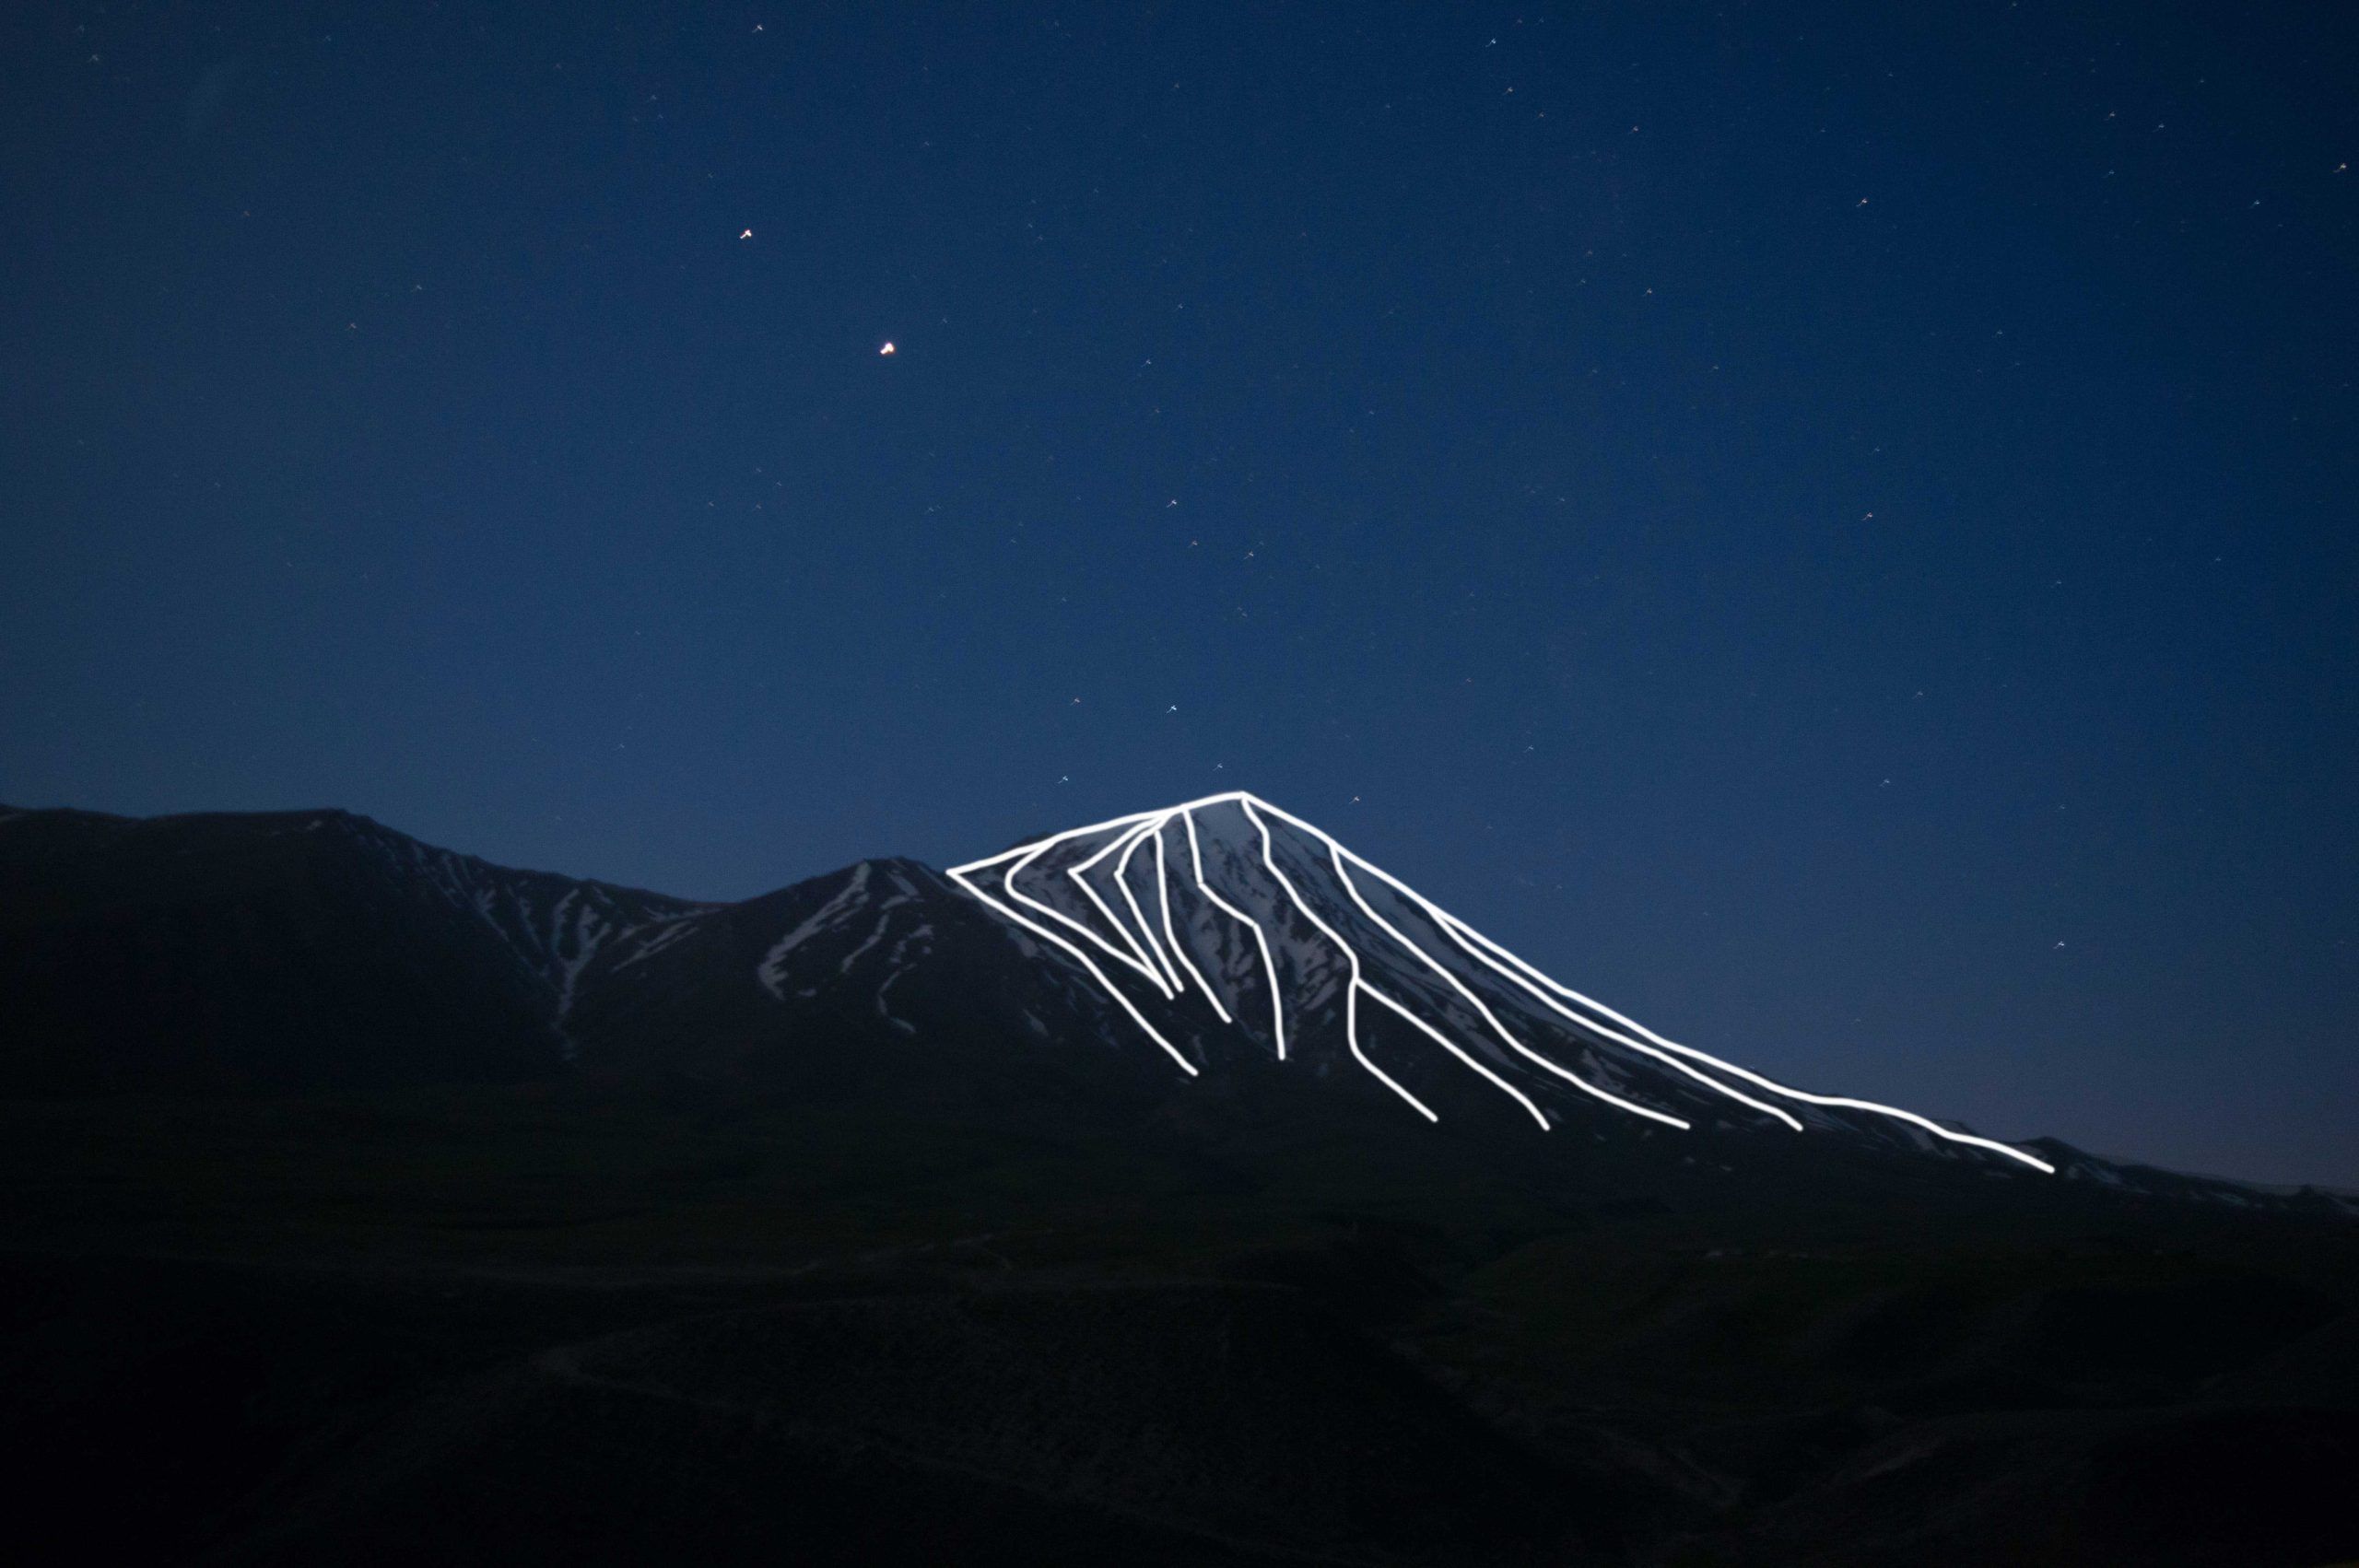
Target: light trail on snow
point(1163, 891)
point(1269, 964)
point(1352, 957)
point(1080, 875)
point(1161, 965)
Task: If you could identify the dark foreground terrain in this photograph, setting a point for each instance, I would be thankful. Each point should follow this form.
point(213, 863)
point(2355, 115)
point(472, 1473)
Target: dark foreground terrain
point(563, 1324)
point(364, 1203)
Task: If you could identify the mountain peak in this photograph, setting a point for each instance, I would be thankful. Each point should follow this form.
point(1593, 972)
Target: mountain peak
point(1331, 929)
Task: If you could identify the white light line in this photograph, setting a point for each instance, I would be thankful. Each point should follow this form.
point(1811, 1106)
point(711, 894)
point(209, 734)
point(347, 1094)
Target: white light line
point(1163, 891)
point(1352, 1033)
point(1038, 844)
point(1008, 882)
point(1483, 949)
point(1122, 879)
point(1024, 854)
point(1445, 1043)
point(1335, 853)
point(1269, 964)
point(1099, 975)
point(1443, 919)
point(1081, 879)
point(1450, 929)
point(1936, 1130)
point(1351, 994)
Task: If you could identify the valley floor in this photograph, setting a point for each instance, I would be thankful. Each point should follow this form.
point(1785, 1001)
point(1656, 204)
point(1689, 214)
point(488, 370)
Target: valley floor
point(564, 1325)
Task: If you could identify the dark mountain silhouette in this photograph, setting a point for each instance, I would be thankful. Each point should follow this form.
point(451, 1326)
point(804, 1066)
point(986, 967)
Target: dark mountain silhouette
point(371, 1203)
point(321, 950)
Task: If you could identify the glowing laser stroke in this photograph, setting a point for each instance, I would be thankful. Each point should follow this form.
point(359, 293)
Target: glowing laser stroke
point(1269, 964)
point(1137, 1017)
point(1025, 854)
point(1145, 825)
point(1125, 820)
point(1081, 879)
point(1842, 1102)
point(1008, 882)
point(1351, 956)
point(1126, 843)
point(1122, 879)
point(1460, 931)
point(1038, 844)
point(1473, 942)
point(1450, 929)
point(1028, 853)
point(1335, 853)
point(1488, 1076)
point(1442, 919)
point(1163, 890)
point(1444, 1042)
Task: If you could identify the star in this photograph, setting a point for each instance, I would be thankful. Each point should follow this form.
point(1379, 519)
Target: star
point(748, 235)
point(889, 348)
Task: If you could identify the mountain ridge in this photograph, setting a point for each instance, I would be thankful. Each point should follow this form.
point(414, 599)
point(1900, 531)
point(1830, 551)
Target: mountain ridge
point(380, 936)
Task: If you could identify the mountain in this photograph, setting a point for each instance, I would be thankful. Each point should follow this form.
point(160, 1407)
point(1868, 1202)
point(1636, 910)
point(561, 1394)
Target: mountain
point(1225, 1202)
point(1288, 938)
point(1224, 939)
point(287, 950)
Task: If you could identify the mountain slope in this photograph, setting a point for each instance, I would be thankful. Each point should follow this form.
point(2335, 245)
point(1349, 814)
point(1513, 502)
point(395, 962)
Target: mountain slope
point(1253, 906)
point(283, 950)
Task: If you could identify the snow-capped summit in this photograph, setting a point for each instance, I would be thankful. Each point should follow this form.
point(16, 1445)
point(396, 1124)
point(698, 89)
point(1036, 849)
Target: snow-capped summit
point(1231, 911)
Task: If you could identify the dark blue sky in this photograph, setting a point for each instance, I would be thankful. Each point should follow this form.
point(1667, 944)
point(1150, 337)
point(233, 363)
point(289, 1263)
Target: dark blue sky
point(1832, 532)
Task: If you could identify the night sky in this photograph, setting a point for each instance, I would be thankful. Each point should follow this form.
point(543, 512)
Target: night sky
point(1832, 532)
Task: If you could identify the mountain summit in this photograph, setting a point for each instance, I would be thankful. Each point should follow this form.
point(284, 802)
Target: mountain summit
point(1234, 906)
